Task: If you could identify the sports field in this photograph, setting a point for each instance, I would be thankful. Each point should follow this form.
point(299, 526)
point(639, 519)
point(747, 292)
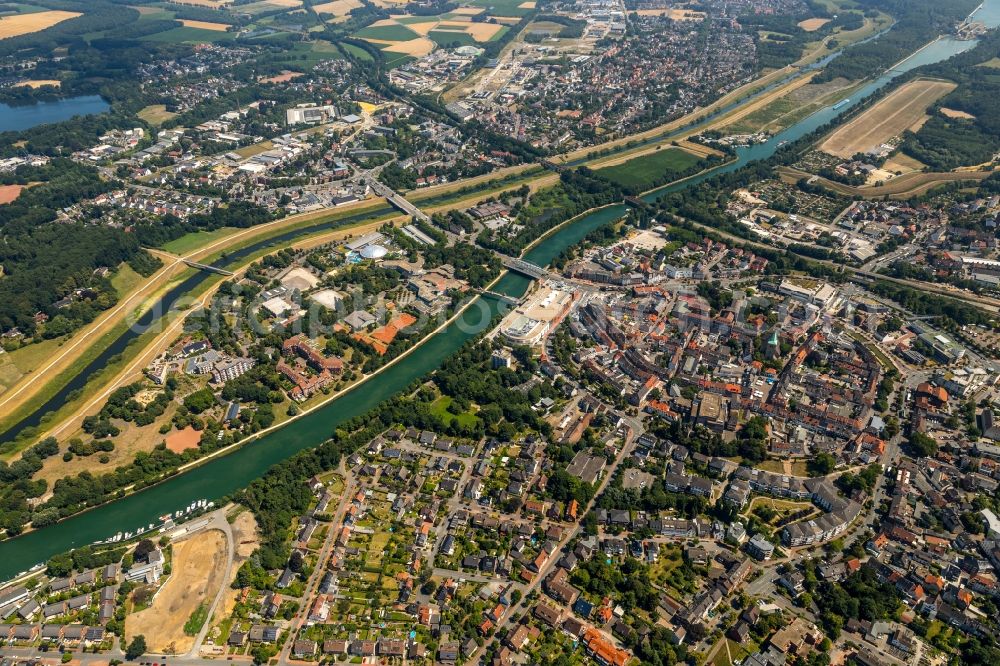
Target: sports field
point(646, 170)
point(903, 109)
point(813, 24)
point(25, 24)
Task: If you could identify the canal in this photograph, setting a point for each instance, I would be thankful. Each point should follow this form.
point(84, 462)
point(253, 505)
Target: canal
point(226, 474)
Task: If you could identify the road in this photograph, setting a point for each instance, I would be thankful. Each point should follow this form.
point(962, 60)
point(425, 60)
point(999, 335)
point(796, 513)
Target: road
point(309, 594)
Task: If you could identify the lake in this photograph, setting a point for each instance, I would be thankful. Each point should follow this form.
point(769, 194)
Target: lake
point(17, 118)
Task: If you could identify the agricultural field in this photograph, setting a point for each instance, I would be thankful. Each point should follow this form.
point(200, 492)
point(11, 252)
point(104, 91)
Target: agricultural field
point(644, 171)
point(675, 14)
point(339, 10)
point(903, 109)
point(25, 24)
point(205, 25)
point(513, 8)
point(189, 35)
point(39, 83)
point(196, 575)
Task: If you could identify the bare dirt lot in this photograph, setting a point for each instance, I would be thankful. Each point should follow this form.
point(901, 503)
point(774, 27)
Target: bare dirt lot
point(179, 441)
point(196, 574)
point(9, 193)
point(23, 24)
point(903, 109)
point(245, 540)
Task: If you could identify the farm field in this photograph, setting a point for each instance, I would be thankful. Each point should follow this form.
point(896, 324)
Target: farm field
point(196, 574)
point(515, 8)
point(644, 171)
point(205, 25)
point(903, 109)
point(190, 35)
point(338, 9)
point(24, 24)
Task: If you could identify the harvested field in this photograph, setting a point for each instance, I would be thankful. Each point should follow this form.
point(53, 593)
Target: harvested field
point(9, 193)
point(420, 46)
point(340, 9)
point(955, 113)
point(813, 24)
point(206, 25)
point(179, 441)
point(468, 11)
point(38, 83)
point(25, 24)
point(527, 5)
point(903, 109)
point(196, 575)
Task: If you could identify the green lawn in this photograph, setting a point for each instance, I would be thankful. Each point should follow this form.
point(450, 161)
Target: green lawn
point(390, 33)
point(440, 408)
point(196, 239)
point(644, 171)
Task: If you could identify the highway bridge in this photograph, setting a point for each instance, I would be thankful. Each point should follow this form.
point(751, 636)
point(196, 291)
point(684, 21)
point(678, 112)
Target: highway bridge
point(207, 268)
point(397, 200)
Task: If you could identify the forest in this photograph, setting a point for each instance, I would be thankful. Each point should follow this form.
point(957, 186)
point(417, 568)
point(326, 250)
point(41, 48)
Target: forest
point(45, 261)
point(917, 23)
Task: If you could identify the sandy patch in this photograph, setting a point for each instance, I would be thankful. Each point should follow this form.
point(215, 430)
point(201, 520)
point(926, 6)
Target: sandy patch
point(526, 5)
point(340, 9)
point(284, 77)
point(179, 441)
point(206, 25)
point(24, 24)
point(420, 46)
point(38, 83)
point(903, 109)
point(813, 24)
point(196, 574)
point(9, 193)
point(955, 113)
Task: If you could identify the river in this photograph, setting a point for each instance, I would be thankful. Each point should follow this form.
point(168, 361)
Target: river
point(26, 116)
point(226, 474)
